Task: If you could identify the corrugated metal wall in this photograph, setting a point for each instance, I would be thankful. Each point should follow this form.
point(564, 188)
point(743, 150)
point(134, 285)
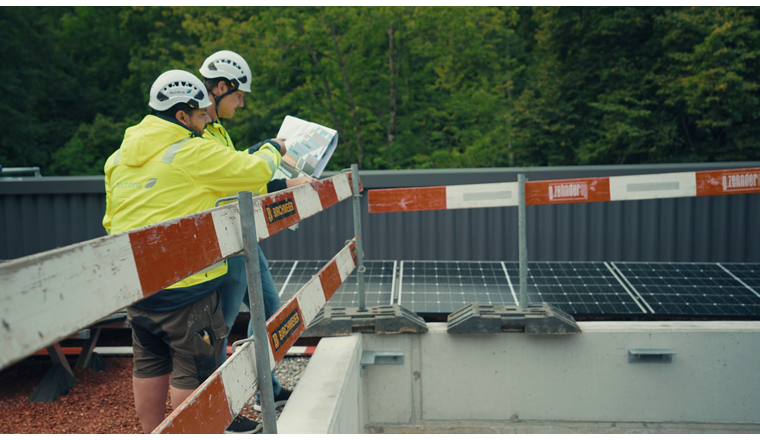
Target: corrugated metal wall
point(40, 214)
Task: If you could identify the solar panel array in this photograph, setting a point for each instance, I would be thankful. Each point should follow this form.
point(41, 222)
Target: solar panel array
point(609, 289)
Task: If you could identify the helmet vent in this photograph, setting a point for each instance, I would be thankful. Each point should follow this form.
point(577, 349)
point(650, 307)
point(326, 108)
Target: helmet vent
point(233, 64)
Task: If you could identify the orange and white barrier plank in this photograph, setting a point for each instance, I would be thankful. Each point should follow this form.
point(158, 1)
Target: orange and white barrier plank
point(47, 296)
point(738, 181)
point(549, 192)
point(277, 211)
point(485, 195)
point(213, 406)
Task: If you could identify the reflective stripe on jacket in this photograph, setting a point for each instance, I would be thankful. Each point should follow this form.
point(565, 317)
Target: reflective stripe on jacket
point(162, 172)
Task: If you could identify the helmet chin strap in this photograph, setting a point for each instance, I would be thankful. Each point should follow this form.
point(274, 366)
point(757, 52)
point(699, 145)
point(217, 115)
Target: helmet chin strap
point(217, 99)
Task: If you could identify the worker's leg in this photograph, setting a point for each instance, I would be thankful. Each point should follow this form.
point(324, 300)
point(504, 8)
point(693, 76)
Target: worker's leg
point(150, 400)
point(179, 395)
point(271, 304)
point(232, 289)
point(186, 342)
point(152, 366)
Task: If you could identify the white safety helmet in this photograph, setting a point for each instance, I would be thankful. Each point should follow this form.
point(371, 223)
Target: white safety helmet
point(177, 86)
point(229, 65)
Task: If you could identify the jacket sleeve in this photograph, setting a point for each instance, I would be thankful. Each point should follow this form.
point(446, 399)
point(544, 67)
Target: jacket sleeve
point(228, 171)
point(109, 205)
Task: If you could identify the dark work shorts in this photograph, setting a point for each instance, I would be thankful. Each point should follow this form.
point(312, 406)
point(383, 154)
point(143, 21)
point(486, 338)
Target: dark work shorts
point(187, 342)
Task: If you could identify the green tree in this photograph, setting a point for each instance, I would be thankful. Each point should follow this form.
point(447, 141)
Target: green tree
point(710, 81)
point(38, 95)
point(406, 87)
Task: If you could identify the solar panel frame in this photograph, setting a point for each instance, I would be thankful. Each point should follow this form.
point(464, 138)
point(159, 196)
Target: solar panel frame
point(746, 273)
point(689, 289)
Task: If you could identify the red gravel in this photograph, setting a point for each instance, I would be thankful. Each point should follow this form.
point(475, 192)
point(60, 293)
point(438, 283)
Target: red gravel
point(100, 403)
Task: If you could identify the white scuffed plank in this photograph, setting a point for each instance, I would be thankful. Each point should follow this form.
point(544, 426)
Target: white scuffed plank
point(345, 263)
point(653, 186)
point(342, 187)
point(311, 299)
point(307, 201)
point(227, 225)
point(239, 377)
point(272, 363)
point(47, 296)
point(481, 195)
point(261, 222)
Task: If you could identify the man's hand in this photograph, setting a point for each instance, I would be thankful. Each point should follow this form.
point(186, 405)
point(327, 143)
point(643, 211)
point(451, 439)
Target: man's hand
point(301, 180)
point(278, 141)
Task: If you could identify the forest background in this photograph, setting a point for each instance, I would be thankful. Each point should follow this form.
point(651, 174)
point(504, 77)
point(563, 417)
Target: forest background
point(406, 87)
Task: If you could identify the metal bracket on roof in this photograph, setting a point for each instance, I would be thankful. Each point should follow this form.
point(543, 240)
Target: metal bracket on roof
point(380, 358)
point(650, 355)
point(384, 320)
point(539, 319)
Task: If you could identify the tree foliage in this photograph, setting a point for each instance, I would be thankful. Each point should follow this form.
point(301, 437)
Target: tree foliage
point(406, 87)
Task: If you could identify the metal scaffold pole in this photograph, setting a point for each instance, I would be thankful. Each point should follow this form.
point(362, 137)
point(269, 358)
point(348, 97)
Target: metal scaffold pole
point(522, 237)
point(258, 319)
point(358, 235)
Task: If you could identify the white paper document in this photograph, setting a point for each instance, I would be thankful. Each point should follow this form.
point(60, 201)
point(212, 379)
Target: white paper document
point(309, 146)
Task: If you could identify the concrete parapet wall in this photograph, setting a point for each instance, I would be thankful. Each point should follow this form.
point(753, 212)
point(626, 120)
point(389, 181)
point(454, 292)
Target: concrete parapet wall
point(329, 398)
point(550, 427)
point(510, 380)
point(513, 376)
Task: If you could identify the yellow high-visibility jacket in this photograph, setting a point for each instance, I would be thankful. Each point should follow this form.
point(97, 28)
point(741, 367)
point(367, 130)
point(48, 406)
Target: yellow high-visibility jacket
point(162, 171)
point(216, 132)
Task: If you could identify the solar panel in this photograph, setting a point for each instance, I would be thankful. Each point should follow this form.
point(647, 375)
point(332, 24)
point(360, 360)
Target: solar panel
point(378, 283)
point(695, 289)
point(577, 288)
point(447, 286)
point(301, 273)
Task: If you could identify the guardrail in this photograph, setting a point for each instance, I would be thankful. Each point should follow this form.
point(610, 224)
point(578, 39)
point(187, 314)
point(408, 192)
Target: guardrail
point(19, 170)
point(549, 192)
point(52, 294)
point(214, 404)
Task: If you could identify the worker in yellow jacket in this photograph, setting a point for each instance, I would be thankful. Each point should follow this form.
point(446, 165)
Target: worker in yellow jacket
point(227, 78)
point(165, 169)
